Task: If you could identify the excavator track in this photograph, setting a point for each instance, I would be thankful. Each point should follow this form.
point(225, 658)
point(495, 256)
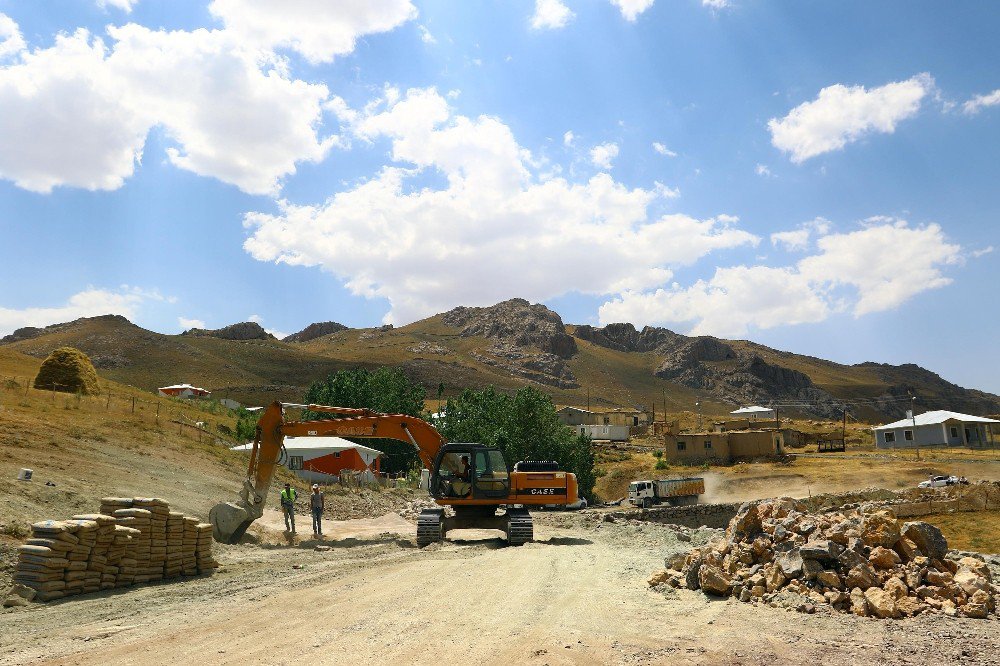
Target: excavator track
point(520, 528)
point(430, 527)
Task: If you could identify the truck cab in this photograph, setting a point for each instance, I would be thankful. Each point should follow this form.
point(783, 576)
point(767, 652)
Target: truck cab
point(641, 493)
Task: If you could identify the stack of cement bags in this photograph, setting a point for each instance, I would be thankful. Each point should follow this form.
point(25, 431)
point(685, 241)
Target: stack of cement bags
point(131, 541)
point(160, 513)
point(137, 519)
point(43, 561)
point(206, 563)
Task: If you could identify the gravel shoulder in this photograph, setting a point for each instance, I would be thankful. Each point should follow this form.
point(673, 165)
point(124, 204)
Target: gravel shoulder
point(578, 595)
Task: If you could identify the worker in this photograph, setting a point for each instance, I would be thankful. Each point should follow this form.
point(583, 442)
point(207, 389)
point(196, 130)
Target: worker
point(317, 505)
point(288, 497)
point(464, 472)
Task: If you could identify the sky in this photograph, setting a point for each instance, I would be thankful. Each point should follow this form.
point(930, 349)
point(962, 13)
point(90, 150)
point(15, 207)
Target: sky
point(819, 177)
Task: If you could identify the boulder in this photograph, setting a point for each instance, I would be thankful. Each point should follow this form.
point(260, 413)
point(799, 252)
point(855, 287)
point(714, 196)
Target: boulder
point(775, 578)
point(791, 563)
point(691, 572)
point(880, 529)
point(880, 602)
point(828, 579)
point(811, 569)
point(823, 550)
point(927, 538)
point(746, 523)
point(970, 581)
point(713, 580)
point(862, 576)
point(659, 578)
point(906, 549)
point(896, 588)
point(859, 604)
point(883, 558)
point(910, 606)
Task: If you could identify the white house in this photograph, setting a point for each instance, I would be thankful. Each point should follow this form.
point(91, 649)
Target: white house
point(322, 459)
point(754, 413)
point(604, 433)
point(936, 428)
point(183, 391)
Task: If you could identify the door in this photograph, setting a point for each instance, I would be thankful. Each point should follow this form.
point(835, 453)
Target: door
point(489, 473)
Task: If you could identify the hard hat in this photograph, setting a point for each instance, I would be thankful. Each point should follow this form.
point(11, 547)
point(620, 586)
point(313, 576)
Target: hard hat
point(315, 486)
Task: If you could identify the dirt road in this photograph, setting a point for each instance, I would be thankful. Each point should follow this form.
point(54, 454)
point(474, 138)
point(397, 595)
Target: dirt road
point(576, 596)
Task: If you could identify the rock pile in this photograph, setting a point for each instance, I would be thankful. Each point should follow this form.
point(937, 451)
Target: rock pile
point(131, 541)
point(869, 564)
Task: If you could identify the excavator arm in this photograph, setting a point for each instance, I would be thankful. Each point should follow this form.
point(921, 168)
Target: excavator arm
point(230, 520)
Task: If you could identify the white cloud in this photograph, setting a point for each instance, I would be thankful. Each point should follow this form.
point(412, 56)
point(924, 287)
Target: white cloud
point(873, 269)
point(550, 15)
point(971, 107)
point(497, 228)
point(568, 138)
point(186, 323)
point(602, 155)
point(763, 170)
point(257, 319)
point(233, 112)
point(842, 115)
point(717, 4)
point(319, 30)
point(663, 150)
point(11, 41)
point(124, 5)
point(425, 35)
point(631, 9)
point(791, 240)
point(91, 302)
point(982, 251)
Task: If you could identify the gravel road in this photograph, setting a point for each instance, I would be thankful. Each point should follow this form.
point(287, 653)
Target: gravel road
point(578, 595)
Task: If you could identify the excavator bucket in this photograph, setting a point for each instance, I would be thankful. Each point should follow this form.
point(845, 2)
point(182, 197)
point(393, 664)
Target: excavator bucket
point(230, 521)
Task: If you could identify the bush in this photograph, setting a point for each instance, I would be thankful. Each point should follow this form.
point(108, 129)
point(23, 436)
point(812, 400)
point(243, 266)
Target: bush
point(657, 453)
point(67, 369)
point(662, 464)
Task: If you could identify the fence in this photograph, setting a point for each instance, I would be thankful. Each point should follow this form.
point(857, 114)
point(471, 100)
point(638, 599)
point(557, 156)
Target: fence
point(192, 418)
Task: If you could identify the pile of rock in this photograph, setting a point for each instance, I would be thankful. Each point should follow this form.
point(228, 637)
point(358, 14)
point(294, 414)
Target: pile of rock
point(132, 541)
point(869, 564)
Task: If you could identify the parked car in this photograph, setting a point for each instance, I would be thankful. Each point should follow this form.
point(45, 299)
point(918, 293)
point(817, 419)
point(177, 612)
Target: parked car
point(575, 506)
point(941, 481)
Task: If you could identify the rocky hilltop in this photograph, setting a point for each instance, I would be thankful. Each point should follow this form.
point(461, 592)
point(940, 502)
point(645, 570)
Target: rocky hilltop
point(529, 341)
point(244, 330)
point(313, 331)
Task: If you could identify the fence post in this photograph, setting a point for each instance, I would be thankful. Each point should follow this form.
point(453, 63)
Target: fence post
point(53, 393)
point(157, 413)
point(107, 405)
point(133, 404)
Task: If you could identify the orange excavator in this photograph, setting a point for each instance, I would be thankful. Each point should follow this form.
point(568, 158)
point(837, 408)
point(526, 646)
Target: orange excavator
point(473, 479)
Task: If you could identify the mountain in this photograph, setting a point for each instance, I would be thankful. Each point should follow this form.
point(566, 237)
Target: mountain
point(508, 345)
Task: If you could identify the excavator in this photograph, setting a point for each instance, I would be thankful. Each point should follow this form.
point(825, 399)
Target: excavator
point(473, 479)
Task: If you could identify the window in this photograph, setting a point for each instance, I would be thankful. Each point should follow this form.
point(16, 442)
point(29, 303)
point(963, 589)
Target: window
point(890, 437)
point(635, 421)
point(908, 435)
point(607, 420)
point(336, 454)
point(708, 444)
point(295, 462)
point(681, 446)
point(954, 432)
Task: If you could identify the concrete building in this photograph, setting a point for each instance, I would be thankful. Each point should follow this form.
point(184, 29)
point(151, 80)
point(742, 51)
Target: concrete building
point(694, 447)
point(604, 433)
point(754, 413)
point(323, 459)
point(936, 428)
point(183, 391)
point(617, 416)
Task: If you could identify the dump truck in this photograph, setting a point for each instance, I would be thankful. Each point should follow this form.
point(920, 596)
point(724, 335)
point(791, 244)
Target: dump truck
point(676, 492)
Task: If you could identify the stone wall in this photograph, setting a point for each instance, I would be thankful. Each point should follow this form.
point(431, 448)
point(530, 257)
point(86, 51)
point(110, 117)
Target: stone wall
point(694, 515)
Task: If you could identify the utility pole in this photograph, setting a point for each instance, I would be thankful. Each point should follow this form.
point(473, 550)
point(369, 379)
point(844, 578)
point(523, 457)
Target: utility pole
point(588, 398)
point(698, 405)
point(913, 415)
point(843, 431)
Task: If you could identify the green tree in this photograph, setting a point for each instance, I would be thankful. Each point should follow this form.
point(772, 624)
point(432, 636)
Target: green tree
point(386, 390)
point(524, 426)
point(246, 424)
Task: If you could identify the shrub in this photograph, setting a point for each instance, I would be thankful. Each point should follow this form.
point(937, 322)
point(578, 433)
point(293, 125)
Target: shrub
point(662, 464)
point(67, 369)
point(657, 453)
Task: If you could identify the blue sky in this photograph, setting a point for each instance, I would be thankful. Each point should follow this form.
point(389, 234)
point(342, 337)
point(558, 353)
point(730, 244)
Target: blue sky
point(819, 177)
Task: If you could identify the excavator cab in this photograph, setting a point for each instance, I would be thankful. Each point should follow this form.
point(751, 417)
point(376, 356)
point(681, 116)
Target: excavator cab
point(469, 471)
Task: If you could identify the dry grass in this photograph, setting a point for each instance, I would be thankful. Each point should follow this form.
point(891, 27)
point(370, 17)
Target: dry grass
point(978, 531)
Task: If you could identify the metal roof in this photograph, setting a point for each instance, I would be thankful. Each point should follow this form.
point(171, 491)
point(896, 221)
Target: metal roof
point(293, 444)
point(753, 409)
point(935, 417)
